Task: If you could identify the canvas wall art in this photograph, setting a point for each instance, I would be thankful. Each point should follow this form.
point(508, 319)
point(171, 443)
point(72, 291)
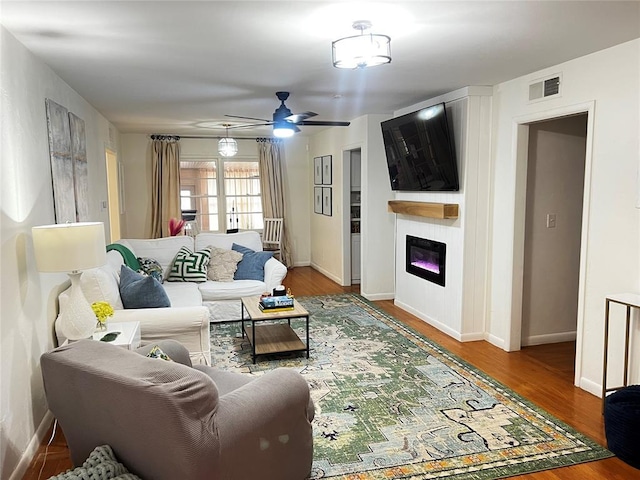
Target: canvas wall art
point(79, 156)
point(61, 162)
point(69, 173)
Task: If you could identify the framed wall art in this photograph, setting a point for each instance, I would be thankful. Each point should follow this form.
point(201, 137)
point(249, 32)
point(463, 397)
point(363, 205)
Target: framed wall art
point(326, 201)
point(326, 170)
point(317, 200)
point(317, 171)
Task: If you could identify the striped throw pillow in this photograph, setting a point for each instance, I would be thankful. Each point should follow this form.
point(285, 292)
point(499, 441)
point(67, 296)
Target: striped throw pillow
point(190, 266)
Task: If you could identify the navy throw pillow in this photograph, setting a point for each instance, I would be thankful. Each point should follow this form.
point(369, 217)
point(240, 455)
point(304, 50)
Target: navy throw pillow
point(251, 267)
point(138, 291)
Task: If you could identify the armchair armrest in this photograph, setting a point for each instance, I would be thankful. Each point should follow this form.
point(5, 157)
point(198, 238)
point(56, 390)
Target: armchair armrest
point(274, 273)
point(187, 325)
point(268, 421)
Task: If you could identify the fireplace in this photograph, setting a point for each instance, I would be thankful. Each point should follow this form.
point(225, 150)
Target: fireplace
point(426, 259)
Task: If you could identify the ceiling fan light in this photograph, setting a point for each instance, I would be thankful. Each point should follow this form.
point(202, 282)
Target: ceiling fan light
point(283, 130)
point(360, 51)
point(227, 147)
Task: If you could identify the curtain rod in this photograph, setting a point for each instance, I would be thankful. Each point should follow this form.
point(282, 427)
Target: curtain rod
point(202, 137)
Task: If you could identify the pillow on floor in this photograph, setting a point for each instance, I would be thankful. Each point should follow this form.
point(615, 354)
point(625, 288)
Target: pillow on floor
point(138, 291)
point(223, 264)
point(251, 267)
point(190, 266)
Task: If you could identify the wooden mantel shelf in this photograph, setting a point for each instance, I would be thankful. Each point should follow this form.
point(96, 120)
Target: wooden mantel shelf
point(424, 209)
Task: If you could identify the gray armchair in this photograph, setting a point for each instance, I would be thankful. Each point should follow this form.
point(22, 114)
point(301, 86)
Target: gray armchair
point(169, 420)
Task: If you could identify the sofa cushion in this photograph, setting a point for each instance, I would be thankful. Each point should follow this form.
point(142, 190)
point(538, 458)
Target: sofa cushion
point(231, 290)
point(151, 267)
point(223, 264)
point(138, 291)
point(251, 267)
point(190, 266)
point(162, 249)
point(183, 294)
point(247, 238)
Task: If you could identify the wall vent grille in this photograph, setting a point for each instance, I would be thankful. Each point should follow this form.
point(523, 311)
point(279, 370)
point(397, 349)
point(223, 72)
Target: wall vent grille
point(545, 88)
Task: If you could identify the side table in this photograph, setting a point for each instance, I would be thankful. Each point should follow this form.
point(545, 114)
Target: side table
point(630, 300)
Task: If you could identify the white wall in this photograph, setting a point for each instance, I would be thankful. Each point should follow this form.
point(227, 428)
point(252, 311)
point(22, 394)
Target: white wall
point(611, 247)
point(330, 235)
point(136, 157)
point(28, 306)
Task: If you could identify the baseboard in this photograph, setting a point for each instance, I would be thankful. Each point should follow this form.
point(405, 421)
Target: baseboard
point(495, 341)
point(434, 323)
point(326, 273)
point(472, 337)
point(549, 338)
point(32, 449)
point(591, 387)
point(302, 264)
point(378, 296)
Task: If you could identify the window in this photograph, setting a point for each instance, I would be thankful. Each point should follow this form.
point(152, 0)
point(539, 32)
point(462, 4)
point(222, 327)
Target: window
point(230, 200)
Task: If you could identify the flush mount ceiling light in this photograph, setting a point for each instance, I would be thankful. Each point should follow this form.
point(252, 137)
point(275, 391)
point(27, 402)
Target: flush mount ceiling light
point(360, 51)
point(227, 147)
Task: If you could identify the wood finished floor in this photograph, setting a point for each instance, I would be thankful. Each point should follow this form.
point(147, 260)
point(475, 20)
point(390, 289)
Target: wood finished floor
point(542, 374)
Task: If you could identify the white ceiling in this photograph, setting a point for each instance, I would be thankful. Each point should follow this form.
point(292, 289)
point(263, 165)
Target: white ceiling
point(178, 66)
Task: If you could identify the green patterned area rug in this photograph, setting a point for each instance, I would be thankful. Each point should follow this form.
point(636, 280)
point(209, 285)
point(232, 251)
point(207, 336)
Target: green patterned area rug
point(391, 404)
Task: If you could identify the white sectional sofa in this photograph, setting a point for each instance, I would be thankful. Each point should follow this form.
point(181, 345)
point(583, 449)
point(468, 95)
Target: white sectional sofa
point(186, 320)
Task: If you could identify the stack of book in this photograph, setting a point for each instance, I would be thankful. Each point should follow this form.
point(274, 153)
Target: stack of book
point(280, 303)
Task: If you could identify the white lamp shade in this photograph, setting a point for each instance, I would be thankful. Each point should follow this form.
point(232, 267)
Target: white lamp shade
point(361, 51)
point(69, 247)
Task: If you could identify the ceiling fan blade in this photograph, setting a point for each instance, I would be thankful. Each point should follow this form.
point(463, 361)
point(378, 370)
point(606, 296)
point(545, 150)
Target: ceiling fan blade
point(248, 118)
point(298, 117)
point(247, 125)
point(321, 123)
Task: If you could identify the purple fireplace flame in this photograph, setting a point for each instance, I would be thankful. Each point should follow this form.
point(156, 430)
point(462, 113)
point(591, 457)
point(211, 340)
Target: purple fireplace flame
point(426, 259)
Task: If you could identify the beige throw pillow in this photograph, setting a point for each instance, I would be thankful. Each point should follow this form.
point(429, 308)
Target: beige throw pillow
point(223, 264)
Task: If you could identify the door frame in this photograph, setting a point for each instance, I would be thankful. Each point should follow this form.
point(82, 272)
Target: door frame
point(520, 147)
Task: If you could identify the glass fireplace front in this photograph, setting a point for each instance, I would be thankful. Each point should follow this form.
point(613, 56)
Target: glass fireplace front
point(426, 259)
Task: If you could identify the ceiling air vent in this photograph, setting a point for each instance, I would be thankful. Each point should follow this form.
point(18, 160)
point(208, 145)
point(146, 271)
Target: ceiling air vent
point(542, 89)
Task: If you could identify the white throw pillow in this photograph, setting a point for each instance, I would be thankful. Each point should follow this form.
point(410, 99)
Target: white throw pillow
point(100, 285)
point(223, 264)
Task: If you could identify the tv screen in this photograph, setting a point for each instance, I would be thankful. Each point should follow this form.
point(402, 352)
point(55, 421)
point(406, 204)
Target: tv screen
point(420, 153)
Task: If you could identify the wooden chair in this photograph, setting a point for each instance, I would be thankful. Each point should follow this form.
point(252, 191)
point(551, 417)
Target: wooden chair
point(272, 236)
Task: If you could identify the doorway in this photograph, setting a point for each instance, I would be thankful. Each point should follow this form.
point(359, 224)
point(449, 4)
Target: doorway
point(521, 134)
point(113, 194)
point(552, 239)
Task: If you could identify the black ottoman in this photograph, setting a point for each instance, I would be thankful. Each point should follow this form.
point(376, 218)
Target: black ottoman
point(622, 424)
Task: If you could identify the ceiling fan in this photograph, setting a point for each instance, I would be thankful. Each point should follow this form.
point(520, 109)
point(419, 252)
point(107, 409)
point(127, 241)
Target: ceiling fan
point(285, 123)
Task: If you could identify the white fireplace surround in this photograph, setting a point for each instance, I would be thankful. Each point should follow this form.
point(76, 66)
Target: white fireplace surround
point(458, 308)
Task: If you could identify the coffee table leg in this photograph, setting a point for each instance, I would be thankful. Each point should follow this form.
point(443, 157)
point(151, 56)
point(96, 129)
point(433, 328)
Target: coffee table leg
point(242, 318)
point(307, 336)
point(253, 343)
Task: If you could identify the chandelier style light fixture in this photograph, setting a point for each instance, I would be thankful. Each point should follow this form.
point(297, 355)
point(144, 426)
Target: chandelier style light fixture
point(360, 51)
point(227, 147)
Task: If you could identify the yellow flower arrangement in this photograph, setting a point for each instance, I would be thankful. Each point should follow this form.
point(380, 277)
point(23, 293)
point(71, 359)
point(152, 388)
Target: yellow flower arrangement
point(103, 310)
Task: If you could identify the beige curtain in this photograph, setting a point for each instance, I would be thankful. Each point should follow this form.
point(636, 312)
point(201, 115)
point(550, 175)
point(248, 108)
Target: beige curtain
point(165, 195)
point(271, 162)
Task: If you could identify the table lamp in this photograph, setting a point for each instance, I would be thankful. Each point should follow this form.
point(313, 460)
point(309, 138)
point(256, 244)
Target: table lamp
point(71, 248)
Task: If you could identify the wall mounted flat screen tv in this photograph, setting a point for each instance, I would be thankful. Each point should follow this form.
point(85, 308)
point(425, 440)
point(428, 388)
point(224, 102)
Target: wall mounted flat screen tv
point(420, 151)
